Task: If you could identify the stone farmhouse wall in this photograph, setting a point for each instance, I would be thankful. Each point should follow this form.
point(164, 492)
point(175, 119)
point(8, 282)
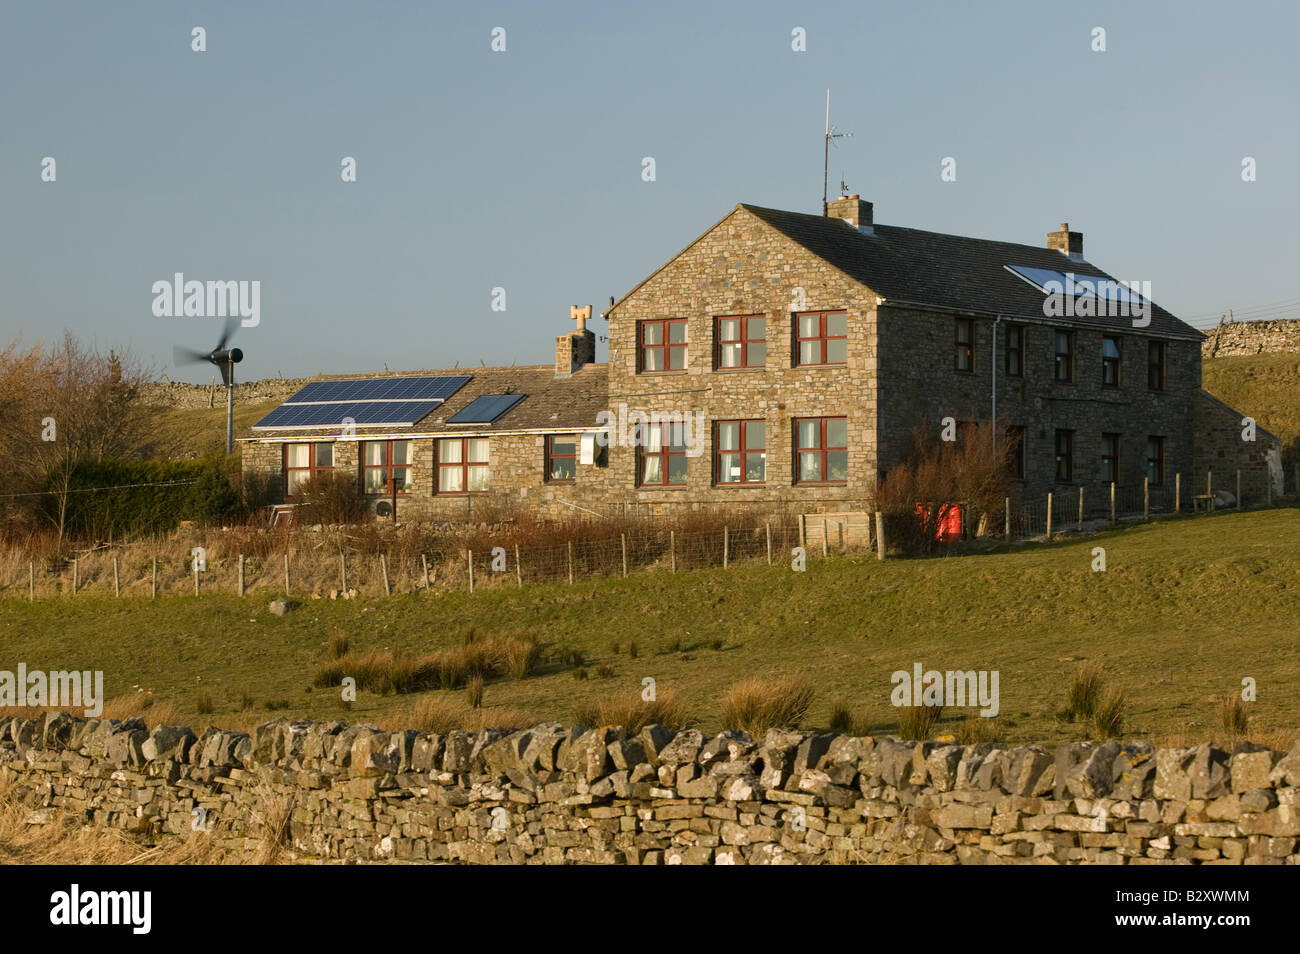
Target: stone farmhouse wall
point(1253, 337)
point(548, 794)
point(745, 267)
point(1221, 452)
point(920, 386)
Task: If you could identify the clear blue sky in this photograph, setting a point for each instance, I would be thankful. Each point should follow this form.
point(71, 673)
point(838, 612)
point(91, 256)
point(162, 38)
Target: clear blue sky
point(522, 169)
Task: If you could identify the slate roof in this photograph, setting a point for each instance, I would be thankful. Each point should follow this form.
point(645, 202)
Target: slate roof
point(947, 271)
point(554, 404)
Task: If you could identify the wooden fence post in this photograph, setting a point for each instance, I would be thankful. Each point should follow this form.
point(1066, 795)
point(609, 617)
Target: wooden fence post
point(1146, 498)
point(768, 527)
point(1178, 493)
point(469, 555)
point(519, 567)
point(841, 528)
point(1006, 524)
point(424, 564)
point(803, 530)
point(622, 539)
point(825, 536)
point(383, 567)
point(31, 580)
point(672, 548)
point(570, 562)
point(75, 578)
point(1081, 508)
point(196, 579)
point(116, 589)
point(286, 572)
point(726, 547)
point(153, 595)
point(880, 535)
point(241, 574)
point(1049, 515)
point(343, 564)
point(1112, 503)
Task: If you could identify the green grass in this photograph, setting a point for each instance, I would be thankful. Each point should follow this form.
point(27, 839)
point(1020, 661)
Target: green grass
point(1265, 386)
point(200, 431)
point(1186, 609)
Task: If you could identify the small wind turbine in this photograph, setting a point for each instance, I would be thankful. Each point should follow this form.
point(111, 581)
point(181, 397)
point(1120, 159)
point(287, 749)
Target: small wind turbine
point(225, 359)
point(831, 136)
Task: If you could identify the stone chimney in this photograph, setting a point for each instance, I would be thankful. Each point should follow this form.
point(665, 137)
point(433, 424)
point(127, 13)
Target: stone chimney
point(576, 348)
point(1067, 242)
point(852, 209)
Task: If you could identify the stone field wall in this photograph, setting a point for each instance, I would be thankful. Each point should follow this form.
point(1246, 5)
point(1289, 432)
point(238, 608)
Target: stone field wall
point(1252, 337)
point(554, 795)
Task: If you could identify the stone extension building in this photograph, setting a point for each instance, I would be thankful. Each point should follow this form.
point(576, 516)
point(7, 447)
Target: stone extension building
point(784, 359)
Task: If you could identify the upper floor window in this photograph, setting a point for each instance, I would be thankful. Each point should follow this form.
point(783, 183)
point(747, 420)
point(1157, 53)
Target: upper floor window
point(822, 449)
point(661, 455)
point(1064, 456)
point(741, 452)
point(1063, 349)
point(1110, 458)
point(561, 458)
point(385, 465)
point(1110, 361)
point(741, 342)
point(1015, 361)
point(462, 465)
point(662, 345)
point(1156, 365)
point(302, 462)
point(964, 339)
point(822, 337)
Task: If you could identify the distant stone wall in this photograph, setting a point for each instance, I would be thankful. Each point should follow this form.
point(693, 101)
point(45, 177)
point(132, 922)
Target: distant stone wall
point(1253, 337)
point(554, 795)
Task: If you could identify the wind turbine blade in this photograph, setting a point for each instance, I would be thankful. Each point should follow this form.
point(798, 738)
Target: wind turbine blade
point(231, 324)
point(187, 356)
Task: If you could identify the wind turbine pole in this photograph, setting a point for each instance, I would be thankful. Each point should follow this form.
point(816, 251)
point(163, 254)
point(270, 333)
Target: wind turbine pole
point(230, 407)
point(826, 153)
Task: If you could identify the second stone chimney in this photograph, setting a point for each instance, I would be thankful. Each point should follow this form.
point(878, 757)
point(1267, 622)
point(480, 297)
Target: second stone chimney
point(576, 348)
point(1067, 242)
point(852, 209)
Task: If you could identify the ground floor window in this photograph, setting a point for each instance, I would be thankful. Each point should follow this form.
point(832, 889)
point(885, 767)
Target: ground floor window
point(741, 456)
point(302, 462)
point(561, 458)
point(661, 455)
point(462, 465)
point(1110, 458)
point(1064, 456)
point(822, 450)
point(385, 465)
point(1156, 461)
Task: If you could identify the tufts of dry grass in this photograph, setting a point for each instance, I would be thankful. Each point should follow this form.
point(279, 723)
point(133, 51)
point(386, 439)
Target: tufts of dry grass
point(442, 714)
point(918, 722)
point(754, 706)
point(632, 712)
point(386, 671)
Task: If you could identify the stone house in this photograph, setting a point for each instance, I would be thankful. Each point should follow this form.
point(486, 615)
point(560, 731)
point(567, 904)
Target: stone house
point(784, 359)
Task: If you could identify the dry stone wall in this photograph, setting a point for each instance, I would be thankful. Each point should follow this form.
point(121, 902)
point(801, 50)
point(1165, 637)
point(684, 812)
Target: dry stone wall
point(1253, 337)
point(550, 794)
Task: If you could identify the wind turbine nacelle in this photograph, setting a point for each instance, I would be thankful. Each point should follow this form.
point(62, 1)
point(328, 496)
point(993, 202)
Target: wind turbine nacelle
point(222, 355)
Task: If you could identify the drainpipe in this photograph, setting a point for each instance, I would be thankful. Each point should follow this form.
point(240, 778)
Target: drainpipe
point(994, 359)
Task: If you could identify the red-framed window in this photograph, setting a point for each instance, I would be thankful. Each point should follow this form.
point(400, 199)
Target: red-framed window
point(1110, 458)
point(1156, 365)
point(462, 465)
point(1063, 351)
point(661, 345)
point(1015, 437)
point(741, 342)
point(561, 458)
point(740, 455)
point(385, 464)
point(1064, 456)
point(1110, 362)
point(661, 455)
point(1156, 461)
point(1015, 357)
point(821, 450)
point(964, 344)
point(821, 338)
point(302, 462)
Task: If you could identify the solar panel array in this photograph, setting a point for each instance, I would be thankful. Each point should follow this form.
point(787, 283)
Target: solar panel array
point(485, 409)
point(1075, 286)
point(368, 401)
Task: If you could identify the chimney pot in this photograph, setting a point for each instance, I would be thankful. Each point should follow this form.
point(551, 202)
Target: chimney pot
point(1067, 242)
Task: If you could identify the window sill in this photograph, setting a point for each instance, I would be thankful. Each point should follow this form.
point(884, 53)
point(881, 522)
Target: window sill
point(813, 367)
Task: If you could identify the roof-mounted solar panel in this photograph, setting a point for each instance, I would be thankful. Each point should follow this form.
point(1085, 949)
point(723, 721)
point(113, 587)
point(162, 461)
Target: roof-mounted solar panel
point(485, 409)
point(1052, 282)
point(397, 402)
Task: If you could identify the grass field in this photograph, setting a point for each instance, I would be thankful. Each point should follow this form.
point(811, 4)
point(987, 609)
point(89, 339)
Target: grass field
point(1265, 386)
point(182, 432)
point(1184, 611)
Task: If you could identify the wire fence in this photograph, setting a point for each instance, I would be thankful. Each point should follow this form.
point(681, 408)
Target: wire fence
point(335, 567)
